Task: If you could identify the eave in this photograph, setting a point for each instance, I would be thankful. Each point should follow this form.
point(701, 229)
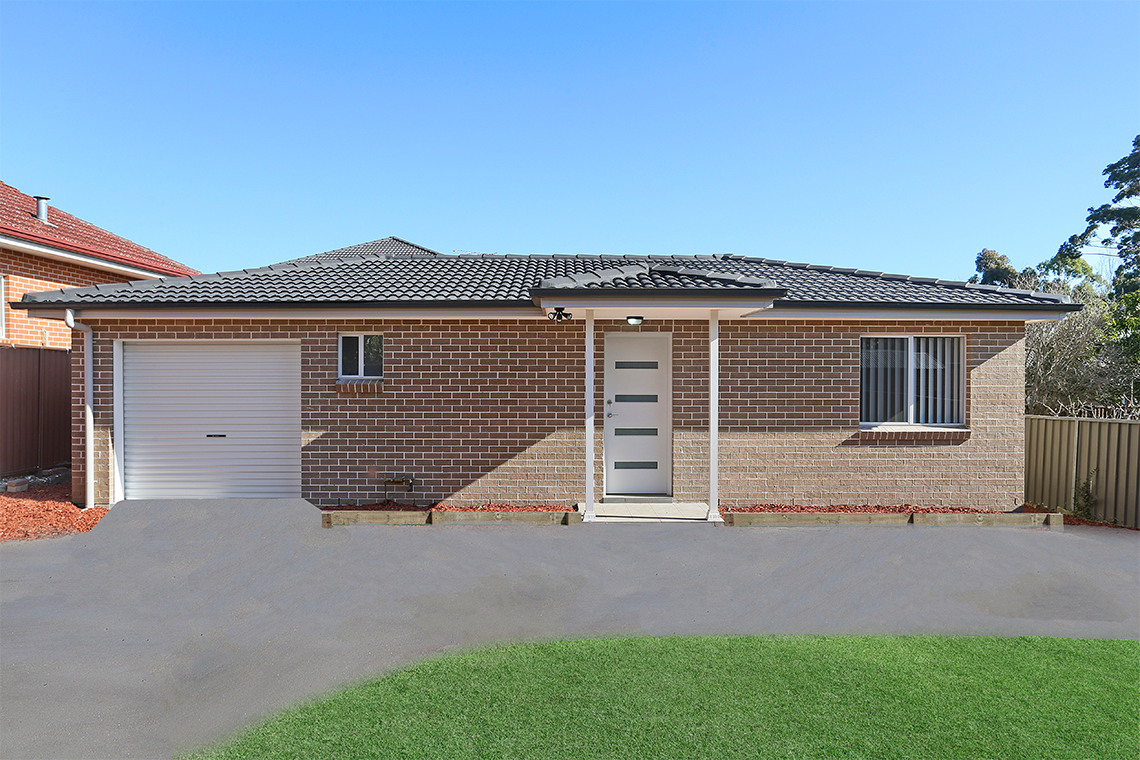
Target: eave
point(288, 310)
point(78, 255)
point(604, 304)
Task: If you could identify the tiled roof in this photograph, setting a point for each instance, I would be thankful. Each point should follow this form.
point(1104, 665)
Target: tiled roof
point(62, 230)
point(511, 280)
point(389, 246)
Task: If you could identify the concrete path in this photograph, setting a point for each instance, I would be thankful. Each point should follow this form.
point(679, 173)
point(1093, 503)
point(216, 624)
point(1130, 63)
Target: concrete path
point(173, 624)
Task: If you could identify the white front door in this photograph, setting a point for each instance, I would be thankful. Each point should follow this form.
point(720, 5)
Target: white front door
point(638, 413)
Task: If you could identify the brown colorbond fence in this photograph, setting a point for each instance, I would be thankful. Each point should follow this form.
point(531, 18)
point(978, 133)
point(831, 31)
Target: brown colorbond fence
point(35, 409)
point(1062, 452)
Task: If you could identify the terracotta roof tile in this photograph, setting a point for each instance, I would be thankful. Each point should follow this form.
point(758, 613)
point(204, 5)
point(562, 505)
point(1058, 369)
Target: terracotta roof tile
point(18, 219)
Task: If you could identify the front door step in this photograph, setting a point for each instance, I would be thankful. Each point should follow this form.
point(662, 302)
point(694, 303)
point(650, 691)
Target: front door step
point(651, 512)
point(638, 499)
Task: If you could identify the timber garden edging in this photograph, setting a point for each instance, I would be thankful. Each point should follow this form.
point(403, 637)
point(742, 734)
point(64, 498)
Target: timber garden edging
point(1050, 520)
point(442, 516)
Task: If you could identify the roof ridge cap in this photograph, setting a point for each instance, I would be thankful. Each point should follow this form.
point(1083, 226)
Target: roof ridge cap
point(1057, 297)
point(955, 284)
point(712, 274)
point(408, 242)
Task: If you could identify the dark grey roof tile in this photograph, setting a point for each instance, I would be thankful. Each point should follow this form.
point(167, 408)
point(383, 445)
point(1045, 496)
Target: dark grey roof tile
point(389, 246)
point(353, 277)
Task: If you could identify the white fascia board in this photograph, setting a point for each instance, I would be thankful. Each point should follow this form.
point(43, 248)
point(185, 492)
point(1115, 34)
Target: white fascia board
point(53, 312)
point(972, 315)
point(665, 311)
point(49, 252)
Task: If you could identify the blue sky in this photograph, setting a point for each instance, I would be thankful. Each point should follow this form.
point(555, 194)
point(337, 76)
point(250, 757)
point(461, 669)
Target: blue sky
point(902, 137)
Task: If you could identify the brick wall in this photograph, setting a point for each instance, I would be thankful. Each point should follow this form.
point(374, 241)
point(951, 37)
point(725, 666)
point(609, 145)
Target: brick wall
point(25, 273)
point(789, 420)
point(478, 411)
point(492, 411)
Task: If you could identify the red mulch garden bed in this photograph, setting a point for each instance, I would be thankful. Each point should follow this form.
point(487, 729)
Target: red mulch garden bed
point(395, 506)
point(381, 506)
point(506, 508)
point(905, 508)
point(44, 512)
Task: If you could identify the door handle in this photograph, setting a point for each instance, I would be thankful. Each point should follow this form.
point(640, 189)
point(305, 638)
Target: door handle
point(610, 414)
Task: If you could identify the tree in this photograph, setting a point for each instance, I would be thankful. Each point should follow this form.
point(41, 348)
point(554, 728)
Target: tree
point(996, 269)
point(1088, 362)
point(1118, 223)
point(1074, 367)
point(1060, 274)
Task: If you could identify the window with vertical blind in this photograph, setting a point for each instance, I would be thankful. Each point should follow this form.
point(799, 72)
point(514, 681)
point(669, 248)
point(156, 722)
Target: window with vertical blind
point(912, 380)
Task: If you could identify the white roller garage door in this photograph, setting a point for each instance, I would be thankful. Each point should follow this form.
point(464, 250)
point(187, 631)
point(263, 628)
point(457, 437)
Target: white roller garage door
point(211, 419)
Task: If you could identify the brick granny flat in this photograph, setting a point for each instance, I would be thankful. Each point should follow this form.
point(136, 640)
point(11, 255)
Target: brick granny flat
point(718, 379)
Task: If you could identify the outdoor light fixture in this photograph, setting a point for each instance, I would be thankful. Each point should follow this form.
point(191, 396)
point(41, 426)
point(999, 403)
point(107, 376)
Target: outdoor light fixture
point(635, 320)
point(559, 314)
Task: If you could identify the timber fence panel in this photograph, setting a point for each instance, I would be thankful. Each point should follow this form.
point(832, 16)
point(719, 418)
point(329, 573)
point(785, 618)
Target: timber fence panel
point(19, 409)
point(55, 407)
point(35, 408)
point(1063, 452)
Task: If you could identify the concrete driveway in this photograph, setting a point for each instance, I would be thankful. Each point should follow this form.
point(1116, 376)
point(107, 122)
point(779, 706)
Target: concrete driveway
point(174, 623)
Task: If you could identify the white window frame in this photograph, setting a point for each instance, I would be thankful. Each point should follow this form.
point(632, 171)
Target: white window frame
point(359, 357)
point(3, 309)
point(910, 389)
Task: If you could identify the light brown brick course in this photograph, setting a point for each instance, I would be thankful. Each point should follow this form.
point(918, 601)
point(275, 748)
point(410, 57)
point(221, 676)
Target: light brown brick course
point(504, 424)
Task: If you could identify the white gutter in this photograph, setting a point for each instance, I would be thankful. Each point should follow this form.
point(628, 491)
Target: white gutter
point(47, 251)
point(688, 311)
point(918, 313)
point(51, 311)
point(88, 402)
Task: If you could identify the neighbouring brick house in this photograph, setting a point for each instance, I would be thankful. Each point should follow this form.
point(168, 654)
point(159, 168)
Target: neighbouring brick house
point(720, 379)
point(44, 248)
point(61, 251)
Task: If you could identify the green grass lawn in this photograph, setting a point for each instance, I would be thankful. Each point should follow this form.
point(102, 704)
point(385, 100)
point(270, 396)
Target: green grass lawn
point(733, 697)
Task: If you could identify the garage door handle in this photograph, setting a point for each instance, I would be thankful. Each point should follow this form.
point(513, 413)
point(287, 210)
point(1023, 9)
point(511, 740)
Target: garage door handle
point(215, 435)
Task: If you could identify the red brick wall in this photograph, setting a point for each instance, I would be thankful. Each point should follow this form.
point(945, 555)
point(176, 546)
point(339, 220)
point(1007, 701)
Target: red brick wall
point(25, 273)
point(492, 411)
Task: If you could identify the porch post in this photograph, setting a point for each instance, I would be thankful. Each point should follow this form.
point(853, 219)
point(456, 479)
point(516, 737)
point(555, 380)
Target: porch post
point(714, 416)
point(589, 515)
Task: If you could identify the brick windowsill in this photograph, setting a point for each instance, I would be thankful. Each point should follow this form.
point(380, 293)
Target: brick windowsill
point(360, 385)
point(933, 434)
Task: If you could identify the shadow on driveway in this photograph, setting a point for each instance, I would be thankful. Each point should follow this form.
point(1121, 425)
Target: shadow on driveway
point(174, 623)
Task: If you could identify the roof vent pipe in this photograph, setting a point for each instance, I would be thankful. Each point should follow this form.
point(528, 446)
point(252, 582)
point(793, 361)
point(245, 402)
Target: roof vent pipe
point(41, 207)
